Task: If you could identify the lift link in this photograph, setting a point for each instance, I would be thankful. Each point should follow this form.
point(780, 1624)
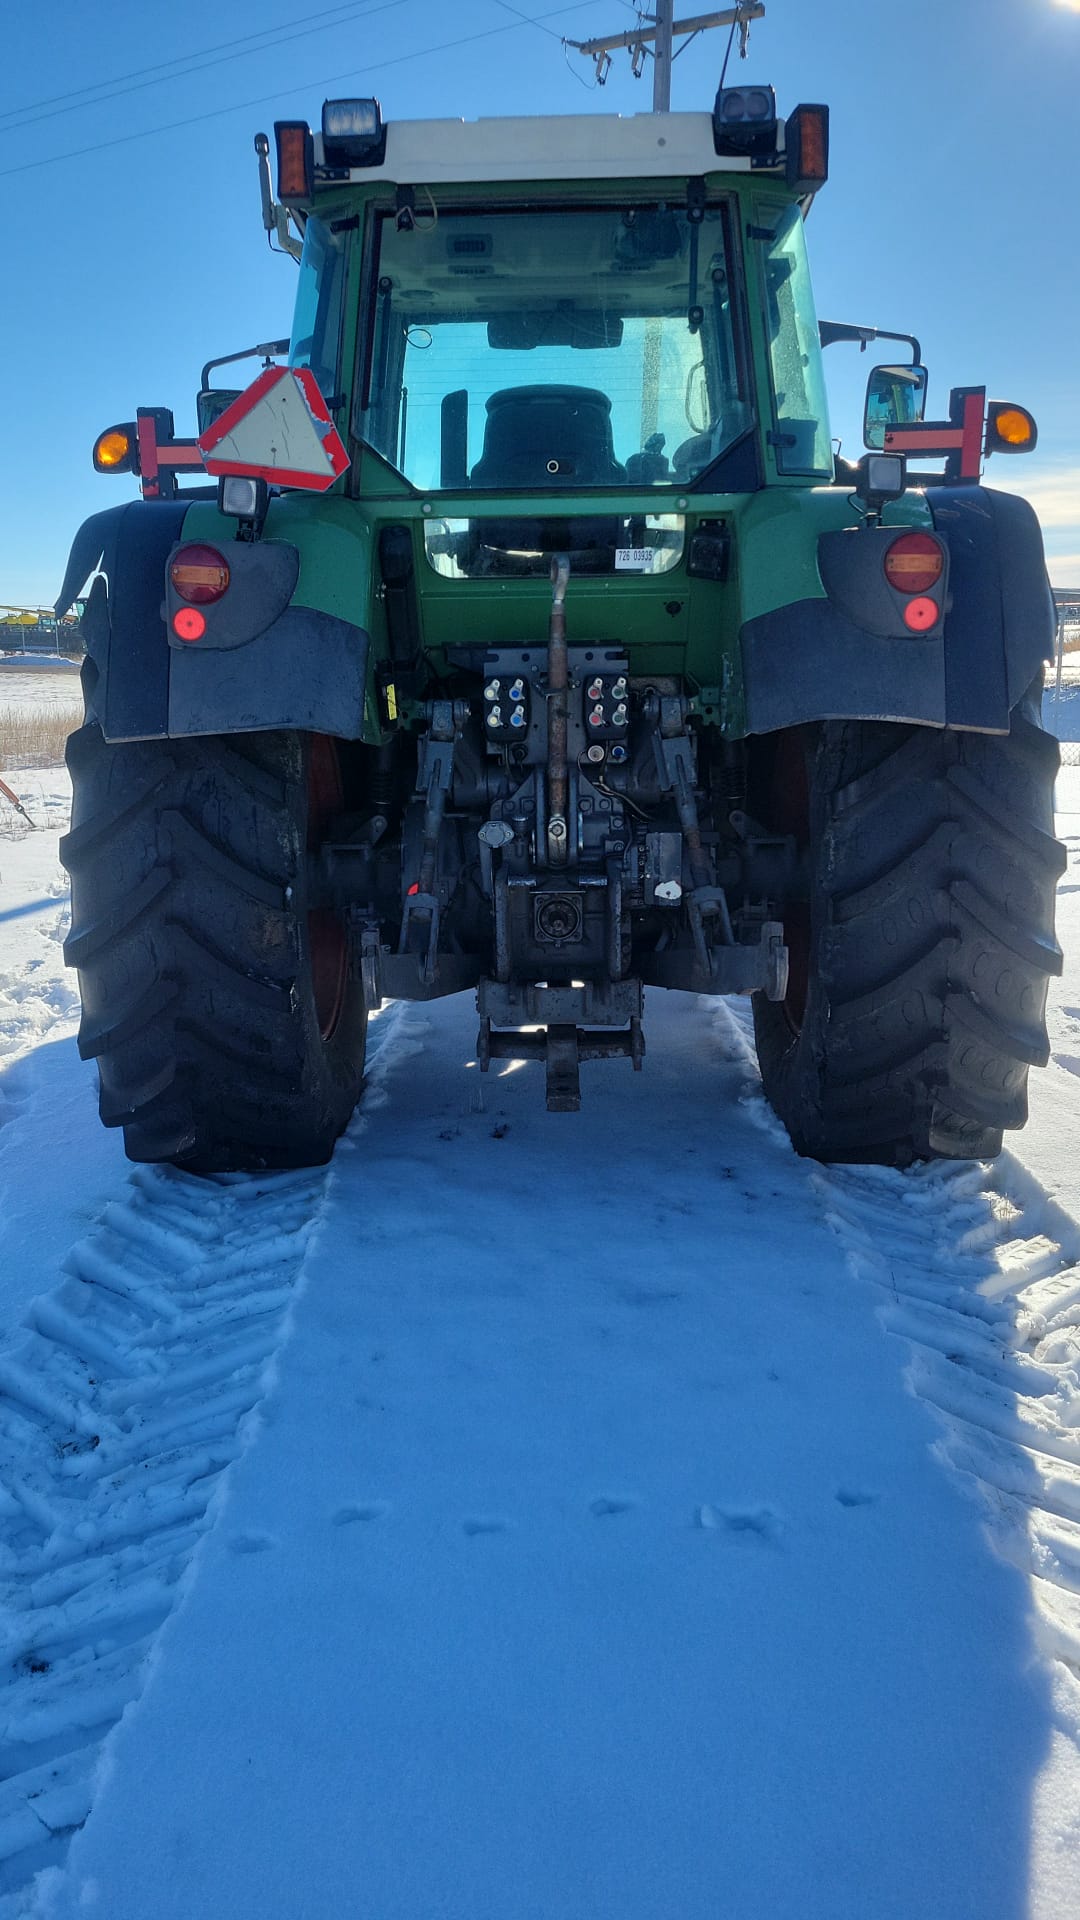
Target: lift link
point(434, 779)
point(558, 676)
point(675, 769)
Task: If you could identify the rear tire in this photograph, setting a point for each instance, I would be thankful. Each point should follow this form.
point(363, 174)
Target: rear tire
point(923, 949)
point(226, 1023)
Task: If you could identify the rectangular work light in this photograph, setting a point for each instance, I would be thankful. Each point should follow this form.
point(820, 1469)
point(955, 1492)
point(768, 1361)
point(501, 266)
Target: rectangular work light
point(243, 497)
point(744, 122)
point(353, 133)
point(881, 477)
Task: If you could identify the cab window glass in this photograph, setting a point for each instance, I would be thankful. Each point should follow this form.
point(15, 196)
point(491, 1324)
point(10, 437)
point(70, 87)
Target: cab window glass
point(556, 347)
point(800, 409)
point(316, 329)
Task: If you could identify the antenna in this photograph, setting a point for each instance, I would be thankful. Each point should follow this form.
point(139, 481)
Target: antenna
point(663, 32)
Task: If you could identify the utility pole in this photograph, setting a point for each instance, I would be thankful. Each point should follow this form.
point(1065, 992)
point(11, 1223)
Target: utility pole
point(657, 34)
point(662, 49)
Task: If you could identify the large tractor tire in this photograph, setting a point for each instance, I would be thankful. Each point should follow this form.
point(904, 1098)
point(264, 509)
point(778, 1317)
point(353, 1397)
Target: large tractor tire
point(226, 1022)
point(923, 942)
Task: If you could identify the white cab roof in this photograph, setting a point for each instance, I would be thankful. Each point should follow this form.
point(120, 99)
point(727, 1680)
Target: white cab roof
point(578, 146)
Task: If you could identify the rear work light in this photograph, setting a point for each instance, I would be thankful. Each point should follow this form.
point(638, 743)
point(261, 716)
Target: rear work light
point(353, 133)
point(914, 564)
point(744, 122)
point(199, 574)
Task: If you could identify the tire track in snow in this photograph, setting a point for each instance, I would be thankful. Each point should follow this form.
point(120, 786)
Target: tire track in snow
point(981, 1272)
point(123, 1399)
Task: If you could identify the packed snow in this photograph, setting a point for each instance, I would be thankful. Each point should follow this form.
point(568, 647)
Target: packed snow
point(533, 1515)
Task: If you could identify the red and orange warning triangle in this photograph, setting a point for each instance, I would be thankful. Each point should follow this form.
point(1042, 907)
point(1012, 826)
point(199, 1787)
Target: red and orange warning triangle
point(278, 430)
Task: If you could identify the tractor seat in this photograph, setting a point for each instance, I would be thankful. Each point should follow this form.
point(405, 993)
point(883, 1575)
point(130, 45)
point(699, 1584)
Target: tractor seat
point(548, 437)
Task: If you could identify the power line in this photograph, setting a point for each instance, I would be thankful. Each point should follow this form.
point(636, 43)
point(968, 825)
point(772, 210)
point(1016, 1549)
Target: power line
point(355, 13)
point(200, 54)
point(240, 106)
point(530, 20)
point(537, 20)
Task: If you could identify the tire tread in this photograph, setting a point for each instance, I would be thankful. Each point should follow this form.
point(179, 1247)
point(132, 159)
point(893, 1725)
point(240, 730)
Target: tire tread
point(188, 873)
point(934, 871)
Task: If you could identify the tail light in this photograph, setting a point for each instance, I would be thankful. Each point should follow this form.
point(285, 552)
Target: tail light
point(914, 563)
point(200, 575)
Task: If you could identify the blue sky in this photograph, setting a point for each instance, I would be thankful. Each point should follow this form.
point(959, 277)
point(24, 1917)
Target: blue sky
point(951, 211)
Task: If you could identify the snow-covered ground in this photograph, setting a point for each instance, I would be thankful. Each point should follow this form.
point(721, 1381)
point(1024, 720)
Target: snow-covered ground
point(31, 678)
point(533, 1517)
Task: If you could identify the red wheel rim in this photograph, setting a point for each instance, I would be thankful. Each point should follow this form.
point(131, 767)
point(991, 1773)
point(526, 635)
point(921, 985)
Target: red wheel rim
point(789, 812)
point(327, 942)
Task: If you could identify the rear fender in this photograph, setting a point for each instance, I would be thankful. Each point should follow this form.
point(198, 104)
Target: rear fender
point(1001, 626)
point(815, 659)
point(264, 664)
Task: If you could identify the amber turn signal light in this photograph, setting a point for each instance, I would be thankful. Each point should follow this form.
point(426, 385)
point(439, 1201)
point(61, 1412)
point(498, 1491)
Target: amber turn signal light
point(296, 160)
point(1009, 429)
point(114, 450)
point(806, 143)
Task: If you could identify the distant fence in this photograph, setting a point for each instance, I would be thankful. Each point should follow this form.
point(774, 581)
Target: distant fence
point(45, 636)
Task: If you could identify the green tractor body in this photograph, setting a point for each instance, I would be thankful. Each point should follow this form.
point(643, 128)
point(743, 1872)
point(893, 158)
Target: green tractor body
point(530, 642)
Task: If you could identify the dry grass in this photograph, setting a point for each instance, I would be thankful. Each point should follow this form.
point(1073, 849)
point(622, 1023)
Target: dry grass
point(35, 738)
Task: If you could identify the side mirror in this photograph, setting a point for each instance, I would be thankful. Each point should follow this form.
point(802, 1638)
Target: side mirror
point(895, 397)
point(211, 403)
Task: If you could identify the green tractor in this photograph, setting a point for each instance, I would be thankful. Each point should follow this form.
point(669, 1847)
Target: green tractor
point(521, 634)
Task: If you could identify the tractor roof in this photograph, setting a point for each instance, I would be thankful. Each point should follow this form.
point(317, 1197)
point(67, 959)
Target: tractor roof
point(580, 146)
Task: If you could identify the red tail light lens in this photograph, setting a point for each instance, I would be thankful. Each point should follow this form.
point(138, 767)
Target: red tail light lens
point(188, 624)
point(199, 574)
point(914, 563)
point(921, 614)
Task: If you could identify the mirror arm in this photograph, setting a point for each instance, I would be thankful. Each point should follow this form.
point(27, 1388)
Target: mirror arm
point(274, 218)
point(289, 243)
point(270, 350)
point(266, 192)
point(832, 331)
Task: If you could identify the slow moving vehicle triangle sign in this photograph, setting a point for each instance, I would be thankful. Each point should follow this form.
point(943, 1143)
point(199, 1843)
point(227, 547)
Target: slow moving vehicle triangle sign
point(278, 430)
